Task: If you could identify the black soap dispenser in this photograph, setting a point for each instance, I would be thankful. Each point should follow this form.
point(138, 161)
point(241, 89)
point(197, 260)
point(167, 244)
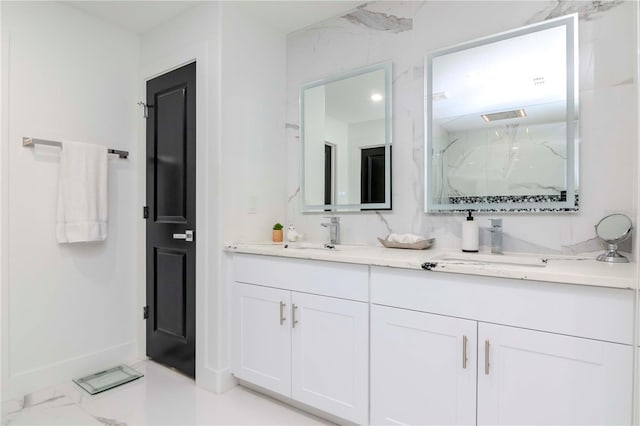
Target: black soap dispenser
point(469, 236)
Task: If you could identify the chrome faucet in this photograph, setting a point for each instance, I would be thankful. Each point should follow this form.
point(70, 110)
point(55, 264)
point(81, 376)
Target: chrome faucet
point(334, 229)
point(496, 236)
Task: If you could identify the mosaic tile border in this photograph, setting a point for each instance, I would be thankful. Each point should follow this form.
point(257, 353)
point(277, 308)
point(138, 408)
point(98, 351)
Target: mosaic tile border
point(515, 200)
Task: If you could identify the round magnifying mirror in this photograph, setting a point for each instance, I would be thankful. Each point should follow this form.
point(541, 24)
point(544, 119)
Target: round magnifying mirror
point(613, 230)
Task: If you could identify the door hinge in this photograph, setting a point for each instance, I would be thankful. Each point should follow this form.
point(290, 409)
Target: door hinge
point(145, 109)
point(145, 212)
point(145, 312)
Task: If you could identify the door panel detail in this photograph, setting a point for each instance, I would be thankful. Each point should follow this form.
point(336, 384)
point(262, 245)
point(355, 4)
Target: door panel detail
point(171, 286)
point(170, 155)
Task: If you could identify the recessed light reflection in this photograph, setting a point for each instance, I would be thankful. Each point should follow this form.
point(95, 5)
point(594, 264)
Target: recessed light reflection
point(376, 97)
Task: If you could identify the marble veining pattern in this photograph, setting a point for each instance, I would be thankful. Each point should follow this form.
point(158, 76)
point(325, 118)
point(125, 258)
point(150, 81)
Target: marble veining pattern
point(384, 220)
point(379, 21)
point(606, 59)
point(513, 151)
point(294, 195)
point(586, 10)
point(549, 267)
point(109, 422)
point(162, 396)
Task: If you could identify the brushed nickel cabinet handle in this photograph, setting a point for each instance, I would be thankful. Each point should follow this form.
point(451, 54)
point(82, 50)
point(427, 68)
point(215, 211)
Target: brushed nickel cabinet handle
point(486, 357)
point(282, 317)
point(294, 321)
point(464, 351)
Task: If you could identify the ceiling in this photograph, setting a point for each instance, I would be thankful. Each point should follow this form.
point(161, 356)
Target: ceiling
point(528, 71)
point(350, 100)
point(142, 15)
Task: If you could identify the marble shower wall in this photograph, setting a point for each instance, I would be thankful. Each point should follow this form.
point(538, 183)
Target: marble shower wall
point(403, 32)
point(507, 155)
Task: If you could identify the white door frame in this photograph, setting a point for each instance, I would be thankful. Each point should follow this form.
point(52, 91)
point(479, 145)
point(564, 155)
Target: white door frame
point(207, 257)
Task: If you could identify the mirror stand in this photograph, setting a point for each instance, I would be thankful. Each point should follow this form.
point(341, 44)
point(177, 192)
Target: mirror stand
point(613, 230)
point(612, 255)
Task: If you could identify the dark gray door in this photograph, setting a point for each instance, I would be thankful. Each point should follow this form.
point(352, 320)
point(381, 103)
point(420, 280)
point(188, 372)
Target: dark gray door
point(372, 177)
point(171, 190)
point(328, 174)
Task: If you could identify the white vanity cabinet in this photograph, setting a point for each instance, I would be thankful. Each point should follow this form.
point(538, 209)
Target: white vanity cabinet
point(313, 348)
point(330, 351)
point(261, 336)
point(423, 368)
point(530, 367)
point(383, 345)
point(540, 378)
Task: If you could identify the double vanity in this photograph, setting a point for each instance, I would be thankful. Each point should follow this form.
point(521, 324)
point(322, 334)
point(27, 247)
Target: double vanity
point(372, 335)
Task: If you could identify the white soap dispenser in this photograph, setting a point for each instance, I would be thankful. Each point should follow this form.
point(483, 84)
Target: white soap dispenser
point(469, 235)
point(292, 234)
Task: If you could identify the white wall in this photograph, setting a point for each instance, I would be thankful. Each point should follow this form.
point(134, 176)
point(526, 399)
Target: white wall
point(253, 140)
point(336, 132)
point(314, 136)
point(608, 112)
point(243, 141)
point(71, 308)
point(3, 210)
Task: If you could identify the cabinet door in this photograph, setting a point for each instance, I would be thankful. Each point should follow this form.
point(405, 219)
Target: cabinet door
point(331, 355)
point(420, 372)
point(530, 377)
point(261, 337)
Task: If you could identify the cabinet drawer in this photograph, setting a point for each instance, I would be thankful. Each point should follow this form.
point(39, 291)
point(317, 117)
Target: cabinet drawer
point(592, 312)
point(342, 280)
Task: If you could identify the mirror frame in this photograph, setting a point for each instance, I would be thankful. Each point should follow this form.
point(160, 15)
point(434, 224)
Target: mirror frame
point(622, 238)
point(570, 22)
point(323, 208)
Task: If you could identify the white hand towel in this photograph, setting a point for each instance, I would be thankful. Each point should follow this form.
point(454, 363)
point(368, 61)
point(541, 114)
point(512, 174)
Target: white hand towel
point(82, 193)
point(404, 238)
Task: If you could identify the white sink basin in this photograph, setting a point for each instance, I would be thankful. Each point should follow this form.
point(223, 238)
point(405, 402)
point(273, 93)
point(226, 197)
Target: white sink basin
point(493, 259)
point(320, 246)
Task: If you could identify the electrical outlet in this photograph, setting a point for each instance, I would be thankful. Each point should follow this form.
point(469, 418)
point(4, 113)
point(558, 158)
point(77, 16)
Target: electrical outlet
point(252, 205)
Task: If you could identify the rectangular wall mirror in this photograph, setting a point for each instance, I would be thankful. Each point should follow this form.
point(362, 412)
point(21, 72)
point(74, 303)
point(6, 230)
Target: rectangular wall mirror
point(346, 141)
point(501, 121)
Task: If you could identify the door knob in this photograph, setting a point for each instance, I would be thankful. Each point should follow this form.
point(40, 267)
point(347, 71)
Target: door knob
point(187, 236)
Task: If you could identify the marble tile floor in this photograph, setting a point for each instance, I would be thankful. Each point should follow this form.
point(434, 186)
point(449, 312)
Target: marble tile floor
point(161, 397)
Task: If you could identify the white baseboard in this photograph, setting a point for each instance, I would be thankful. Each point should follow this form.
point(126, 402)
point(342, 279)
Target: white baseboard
point(295, 404)
point(22, 383)
point(218, 381)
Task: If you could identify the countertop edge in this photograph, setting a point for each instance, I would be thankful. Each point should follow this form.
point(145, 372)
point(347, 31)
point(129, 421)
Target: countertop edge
point(590, 272)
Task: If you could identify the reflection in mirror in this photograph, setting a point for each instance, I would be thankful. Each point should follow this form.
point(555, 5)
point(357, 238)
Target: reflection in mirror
point(501, 121)
point(613, 230)
point(346, 141)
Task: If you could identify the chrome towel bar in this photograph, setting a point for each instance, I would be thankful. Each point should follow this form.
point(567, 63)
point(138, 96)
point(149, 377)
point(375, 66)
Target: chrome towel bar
point(32, 141)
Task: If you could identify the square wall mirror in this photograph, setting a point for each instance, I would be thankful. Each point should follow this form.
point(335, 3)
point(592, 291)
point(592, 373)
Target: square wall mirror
point(346, 141)
point(501, 121)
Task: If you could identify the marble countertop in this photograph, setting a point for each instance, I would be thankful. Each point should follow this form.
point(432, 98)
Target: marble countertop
point(536, 267)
